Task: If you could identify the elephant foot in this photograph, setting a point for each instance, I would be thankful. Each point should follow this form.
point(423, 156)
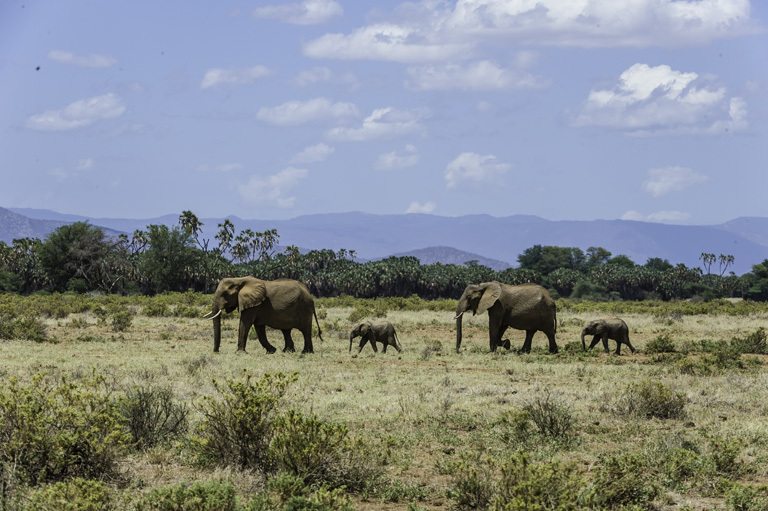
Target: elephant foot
point(506, 344)
point(307, 351)
point(523, 351)
point(289, 350)
point(241, 351)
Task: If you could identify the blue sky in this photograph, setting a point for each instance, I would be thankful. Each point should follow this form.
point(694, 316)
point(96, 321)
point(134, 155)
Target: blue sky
point(649, 110)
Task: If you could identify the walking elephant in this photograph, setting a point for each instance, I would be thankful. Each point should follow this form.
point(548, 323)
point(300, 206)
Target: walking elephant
point(383, 332)
point(604, 329)
point(527, 307)
point(283, 304)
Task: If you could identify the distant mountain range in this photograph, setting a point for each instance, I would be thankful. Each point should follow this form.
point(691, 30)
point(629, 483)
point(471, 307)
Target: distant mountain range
point(492, 241)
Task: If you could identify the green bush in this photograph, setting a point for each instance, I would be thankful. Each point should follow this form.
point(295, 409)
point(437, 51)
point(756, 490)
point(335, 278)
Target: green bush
point(724, 453)
point(121, 320)
point(75, 495)
point(152, 415)
point(755, 343)
point(50, 431)
point(237, 425)
point(524, 485)
point(319, 452)
point(473, 482)
point(288, 493)
point(208, 496)
point(186, 311)
point(747, 498)
point(551, 417)
point(650, 399)
point(622, 480)
point(155, 309)
point(661, 344)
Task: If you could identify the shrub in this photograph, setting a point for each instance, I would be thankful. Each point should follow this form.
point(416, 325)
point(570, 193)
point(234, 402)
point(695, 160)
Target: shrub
point(747, 498)
point(755, 343)
point(551, 417)
point(186, 311)
point(650, 399)
point(121, 320)
point(516, 426)
point(524, 485)
point(152, 416)
point(622, 480)
point(52, 431)
point(156, 309)
point(75, 495)
point(28, 329)
point(237, 426)
point(661, 344)
point(724, 453)
point(208, 496)
point(473, 482)
point(288, 493)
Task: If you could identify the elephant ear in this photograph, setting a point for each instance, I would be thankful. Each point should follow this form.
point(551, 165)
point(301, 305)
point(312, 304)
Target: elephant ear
point(490, 295)
point(252, 294)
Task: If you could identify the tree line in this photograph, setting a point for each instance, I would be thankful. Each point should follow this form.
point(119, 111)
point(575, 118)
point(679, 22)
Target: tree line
point(81, 258)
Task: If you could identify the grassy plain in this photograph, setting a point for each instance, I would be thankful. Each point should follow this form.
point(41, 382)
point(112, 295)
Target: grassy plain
point(428, 408)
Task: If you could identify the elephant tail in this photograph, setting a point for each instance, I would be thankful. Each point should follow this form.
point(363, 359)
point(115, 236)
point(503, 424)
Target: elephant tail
point(320, 332)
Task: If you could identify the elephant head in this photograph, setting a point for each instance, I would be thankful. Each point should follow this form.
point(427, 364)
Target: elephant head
point(360, 330)
point(234, 293)
point(596, 327)
point(478, 298)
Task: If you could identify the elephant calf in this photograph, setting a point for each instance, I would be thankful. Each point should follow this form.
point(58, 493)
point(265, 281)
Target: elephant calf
point(604, 329)
point(383, 332)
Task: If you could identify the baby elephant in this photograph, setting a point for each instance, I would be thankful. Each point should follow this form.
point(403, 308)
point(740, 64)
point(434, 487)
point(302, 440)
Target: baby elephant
point(382, 332)
point(604, 329)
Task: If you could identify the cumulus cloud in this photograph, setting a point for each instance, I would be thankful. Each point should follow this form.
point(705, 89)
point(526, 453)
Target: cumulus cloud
point(474, 167)
point(671, 179)
point(92, 60)
point(398, 160)
point(479, 76)
point(416, 207)
point(435, 31)
point(78, 114)
point(659, 100)
point(313, 154)
point(274, 189)
point(293, 113)
point(308, 12)
point(385, 41)
point(662, 217)
point(217, 76)
point(382, 123)
point(322, 74)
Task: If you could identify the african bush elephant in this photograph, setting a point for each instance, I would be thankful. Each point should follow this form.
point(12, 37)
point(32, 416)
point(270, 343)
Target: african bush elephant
point(527, 307)
point(383, 332)
point(283, 304)
point(604, 329)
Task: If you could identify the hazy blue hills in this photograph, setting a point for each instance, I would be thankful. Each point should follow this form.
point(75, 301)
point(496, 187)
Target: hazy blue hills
point(493, 241)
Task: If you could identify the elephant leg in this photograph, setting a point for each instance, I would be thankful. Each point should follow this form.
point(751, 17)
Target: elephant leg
point(495, 329)
point(288, 341)
point(594, 342)
point(393, 343)
point(261, 333)
point(631, 348)
point(504, 343)
point(552, 343)
point(605, 344)
point(373, 345)
point(362, 343)
point(528, 341)
point(618, 348)
point(386, 344)
point(242, 333)
point(308, 348)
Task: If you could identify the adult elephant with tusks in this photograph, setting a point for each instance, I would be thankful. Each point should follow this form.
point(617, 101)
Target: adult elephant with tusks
point(283, 304)
point(527, 307)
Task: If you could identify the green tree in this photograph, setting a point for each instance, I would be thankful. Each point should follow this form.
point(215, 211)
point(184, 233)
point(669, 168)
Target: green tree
point(79, 257)
point(168, 260)
point(546, 259)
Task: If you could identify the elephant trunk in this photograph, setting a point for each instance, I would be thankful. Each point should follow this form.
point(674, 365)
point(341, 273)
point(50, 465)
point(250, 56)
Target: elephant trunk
point(583, 344)
point(216, 333)
point(458, 331)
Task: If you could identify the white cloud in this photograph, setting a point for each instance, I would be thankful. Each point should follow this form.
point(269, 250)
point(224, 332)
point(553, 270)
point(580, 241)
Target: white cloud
point(663, 217)
point(474, 167)
point(659, 100)
point(480, 76)
point(382, 123)
point(92, 60)
point(308, 12)
point(298, 112)
point(78, 114)
point(389, 42)
point(323, 75)
point(273, 189)
point(415, 207)
point(216, 76)
point(80, 166)
point(313, 154)
point(435, 31)
point(671, 179)
point(396, 161)
point(222, 167)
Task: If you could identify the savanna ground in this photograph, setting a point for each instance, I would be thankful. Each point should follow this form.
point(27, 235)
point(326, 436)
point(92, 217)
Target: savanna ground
point(442, 424)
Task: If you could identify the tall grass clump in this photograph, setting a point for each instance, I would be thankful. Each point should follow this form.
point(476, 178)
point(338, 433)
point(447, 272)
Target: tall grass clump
point(650, 399)
point(153, 416)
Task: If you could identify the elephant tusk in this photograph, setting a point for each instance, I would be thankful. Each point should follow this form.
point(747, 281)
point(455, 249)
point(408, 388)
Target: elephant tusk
point(208, 316)
point(459, 315)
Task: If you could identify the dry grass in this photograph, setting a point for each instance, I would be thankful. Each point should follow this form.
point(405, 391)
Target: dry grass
point(429, 405)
